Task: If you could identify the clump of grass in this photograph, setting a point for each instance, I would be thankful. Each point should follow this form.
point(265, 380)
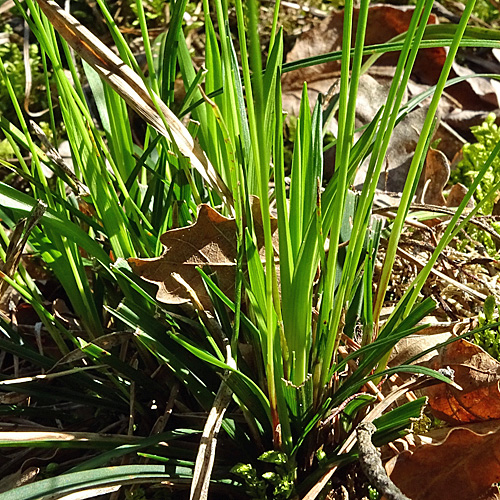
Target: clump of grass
point(278, 354)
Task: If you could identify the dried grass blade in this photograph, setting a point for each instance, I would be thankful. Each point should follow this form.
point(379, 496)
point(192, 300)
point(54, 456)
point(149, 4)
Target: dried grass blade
point(132, 89)
point(41, 438)
point(206, 451)
point(208, 443)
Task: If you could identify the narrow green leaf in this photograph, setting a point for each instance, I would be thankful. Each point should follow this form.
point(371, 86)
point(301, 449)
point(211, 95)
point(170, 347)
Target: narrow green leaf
point(75, 482)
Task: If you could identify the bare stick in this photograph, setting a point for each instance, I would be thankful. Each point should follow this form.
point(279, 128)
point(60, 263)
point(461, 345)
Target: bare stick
point(369, 458)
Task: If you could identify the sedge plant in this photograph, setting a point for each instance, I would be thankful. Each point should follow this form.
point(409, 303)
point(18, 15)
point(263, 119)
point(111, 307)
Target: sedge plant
point(267, 362)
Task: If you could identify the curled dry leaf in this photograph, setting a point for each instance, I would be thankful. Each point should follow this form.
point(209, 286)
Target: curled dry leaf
point(477, 373)
point(475, 93)
point(462, 464)
point(434, 334)
point(414, 344)
point(434, 178)
point(18, 478)
point(211, 241)
point(457, 194)
point(372, 95)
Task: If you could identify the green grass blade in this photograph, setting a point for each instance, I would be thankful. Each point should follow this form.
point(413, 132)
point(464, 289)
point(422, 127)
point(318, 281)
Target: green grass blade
point(107, 477)
point(22, 205)
point(132, 448)
point(434, 36)
point(416, 161)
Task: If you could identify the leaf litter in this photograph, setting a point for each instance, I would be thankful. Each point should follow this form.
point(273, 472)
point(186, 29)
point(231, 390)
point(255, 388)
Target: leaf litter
point(465, 273)
point(458, 463)
point(477, 373)
point(463, 105)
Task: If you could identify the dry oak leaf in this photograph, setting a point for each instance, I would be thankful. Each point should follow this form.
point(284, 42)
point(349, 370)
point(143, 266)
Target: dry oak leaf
point(462, 465)
point(414, 344)
point(477, 373)
point(210, 241)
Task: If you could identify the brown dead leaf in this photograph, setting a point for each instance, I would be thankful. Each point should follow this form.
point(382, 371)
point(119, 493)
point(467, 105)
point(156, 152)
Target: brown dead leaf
point(18, 478)
point(434, 179)
point(457, 194)
point(462, 120)
point(327, 37)
point(414, 344)
point(432, 335)
point(475, 93)
point(403, 139)
point(450, 140)
point(211, 241)
point(433, 182)
point(477, 373)
point(462, 464)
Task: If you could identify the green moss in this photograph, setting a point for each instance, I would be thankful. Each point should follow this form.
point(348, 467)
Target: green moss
point(474, 157)
point(489, 339)
point(6, 150)
point(486, 11)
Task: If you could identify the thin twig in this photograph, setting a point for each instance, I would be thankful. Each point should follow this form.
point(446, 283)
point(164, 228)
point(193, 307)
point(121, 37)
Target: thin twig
point(439, 274)
point(371, 463)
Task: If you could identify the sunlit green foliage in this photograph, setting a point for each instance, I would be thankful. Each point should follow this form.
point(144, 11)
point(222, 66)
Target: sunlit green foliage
point(474, 156)
point(489, 339)
point(12, 56)
point(274, 344)
point(487, 11)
